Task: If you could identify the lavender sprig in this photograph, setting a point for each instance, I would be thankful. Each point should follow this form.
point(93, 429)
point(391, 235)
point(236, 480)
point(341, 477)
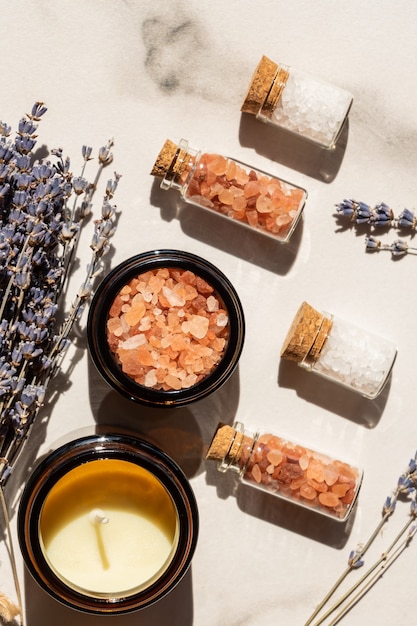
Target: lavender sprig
point(406, 487)
point(398, 248)
point(43, 209)
point(381, 215)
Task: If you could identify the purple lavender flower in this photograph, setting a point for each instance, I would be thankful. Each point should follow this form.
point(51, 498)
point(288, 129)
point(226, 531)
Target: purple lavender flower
point(363, 213)
point(406, 219)
point(43, 208)
point(355, 560)
point(399, 247)
point(38, 110)
point(347, 208)
point(382, 215)
point(372, 244)
point(389, 505)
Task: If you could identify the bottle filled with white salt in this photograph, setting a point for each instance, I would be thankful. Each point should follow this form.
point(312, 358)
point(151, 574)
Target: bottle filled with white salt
point(295, 101)
point(339, 351)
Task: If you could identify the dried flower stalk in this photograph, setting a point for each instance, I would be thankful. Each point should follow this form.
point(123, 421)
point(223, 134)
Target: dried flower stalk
point(380, 216)
point(43, 208)
point(406, 488)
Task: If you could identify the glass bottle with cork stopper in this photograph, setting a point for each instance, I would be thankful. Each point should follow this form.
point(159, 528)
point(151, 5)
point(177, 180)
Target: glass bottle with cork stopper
point(339, 351)
point(295, 101)
point(231, 189)
point(286, 469)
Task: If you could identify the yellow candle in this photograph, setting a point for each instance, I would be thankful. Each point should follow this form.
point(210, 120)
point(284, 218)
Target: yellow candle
point(108, 527)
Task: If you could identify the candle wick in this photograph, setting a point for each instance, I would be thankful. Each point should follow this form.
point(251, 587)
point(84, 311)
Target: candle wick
point(97, 517)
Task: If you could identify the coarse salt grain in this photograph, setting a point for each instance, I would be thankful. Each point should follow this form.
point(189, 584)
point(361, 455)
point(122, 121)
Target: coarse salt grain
point(174, 337)
point(355, 357)
point(312, 108)
point(133, 342)
point(310, 476)
point(253, 198)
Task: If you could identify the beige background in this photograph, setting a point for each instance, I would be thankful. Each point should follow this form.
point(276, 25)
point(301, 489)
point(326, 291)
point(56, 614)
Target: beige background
point(145, 71)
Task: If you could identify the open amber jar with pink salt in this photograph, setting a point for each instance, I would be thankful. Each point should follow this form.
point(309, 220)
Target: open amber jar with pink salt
point(166, 328)
point(231, 189)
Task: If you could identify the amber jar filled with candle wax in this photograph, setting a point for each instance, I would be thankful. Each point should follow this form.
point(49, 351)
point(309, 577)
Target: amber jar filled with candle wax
point(166, 328)
point(288, 98)
point(339, 351)
point(233, 190)
point(288, 470)
point(107, 524)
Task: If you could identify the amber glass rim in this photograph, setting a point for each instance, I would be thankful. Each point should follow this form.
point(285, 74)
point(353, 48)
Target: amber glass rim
point(90, 448)
point(99, 310)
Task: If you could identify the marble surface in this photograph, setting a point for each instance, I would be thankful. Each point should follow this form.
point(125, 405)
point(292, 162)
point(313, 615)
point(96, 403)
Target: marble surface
point(143, 71)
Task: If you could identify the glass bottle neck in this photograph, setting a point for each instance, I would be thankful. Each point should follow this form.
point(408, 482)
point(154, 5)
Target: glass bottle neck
point(271, 101)
point(181, 168)
point(241, 446)
point(323, 331)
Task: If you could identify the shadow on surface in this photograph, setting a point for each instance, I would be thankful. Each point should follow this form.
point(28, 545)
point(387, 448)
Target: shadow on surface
point(331, 396)
point(274, 510)
point(226, 235)
point(299, 154)
point(175, 609)
point(181, 432)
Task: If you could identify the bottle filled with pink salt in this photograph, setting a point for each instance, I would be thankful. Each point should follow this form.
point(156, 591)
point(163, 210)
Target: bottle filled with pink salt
point(231, 189)
point(288, 470)
point(297, 102)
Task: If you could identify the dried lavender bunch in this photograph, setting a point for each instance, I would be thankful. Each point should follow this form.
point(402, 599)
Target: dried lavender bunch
point(380, 215)
point(406, 488)
point(43, 208)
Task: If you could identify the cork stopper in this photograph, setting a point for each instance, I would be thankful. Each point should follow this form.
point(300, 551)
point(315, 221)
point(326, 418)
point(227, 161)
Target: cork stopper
point(322, 335)
point(275, 92)
point(173, 164)
point(307, 335)
point(260, 85)
point(224, 443)
point(164, 159)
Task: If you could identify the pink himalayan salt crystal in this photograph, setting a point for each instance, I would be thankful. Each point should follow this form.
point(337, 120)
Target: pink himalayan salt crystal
point(275, 457)
point(310, 477)
point(244, 195)
point(197, 326)
point(170, 338)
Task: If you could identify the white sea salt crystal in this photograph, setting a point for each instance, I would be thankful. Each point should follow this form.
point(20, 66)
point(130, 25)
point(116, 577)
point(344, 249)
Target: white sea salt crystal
point(312, 108)
point(212, 304)
point(356, 358)
point(145, 323)
point(173, 298)
point(222, 320)
point(150, 379)
point(133, 342)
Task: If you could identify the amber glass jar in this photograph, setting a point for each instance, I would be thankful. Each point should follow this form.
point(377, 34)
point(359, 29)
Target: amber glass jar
point(166, 328)
point(107, 524)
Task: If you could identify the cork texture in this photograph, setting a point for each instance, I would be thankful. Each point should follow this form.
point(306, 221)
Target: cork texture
point(260, 85)
point(164, 159)
point(320, 340)
point(275, 92)
point(221, 442)
point(302, 333)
